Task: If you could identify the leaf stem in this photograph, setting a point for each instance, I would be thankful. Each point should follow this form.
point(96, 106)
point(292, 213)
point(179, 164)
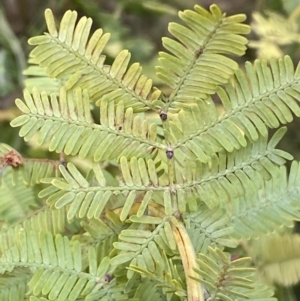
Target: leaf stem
point(188, 257)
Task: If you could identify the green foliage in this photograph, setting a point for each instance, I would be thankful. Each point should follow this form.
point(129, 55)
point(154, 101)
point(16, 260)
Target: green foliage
point(276, 32)
point(157, 203)
point(238, 282)
point(279, 265)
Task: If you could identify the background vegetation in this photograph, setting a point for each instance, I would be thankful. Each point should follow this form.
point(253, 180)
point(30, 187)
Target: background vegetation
point(138, 26)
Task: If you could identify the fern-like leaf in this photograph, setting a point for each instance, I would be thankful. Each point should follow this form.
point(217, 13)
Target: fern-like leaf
point(52, 221)
point(209, 228)
point(143, 248)
point(230, 175)
point(66, 125)
point(103, 232)
point(225, 279)
point(165, 276)
point(67, 51)
point(29, 171)
point(276, 204)
point(197, 65)
point(269, 101)
point(59, 269)
point(264, 97)
point(90, 201)
point(13, 286)
point(16, 201)
point(147, 291)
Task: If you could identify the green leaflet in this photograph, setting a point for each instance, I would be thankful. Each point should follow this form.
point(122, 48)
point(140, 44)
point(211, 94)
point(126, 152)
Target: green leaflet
point(197, 64)
point(56, 259)
point(90, 201)
point(165, 276)
point(13, 286)
point(81, 60)
point(66, 125)
point(209, 228)
point(237, 279)
point(275, 204)
point(144, 248)
point(230, 175)
point(266, 96)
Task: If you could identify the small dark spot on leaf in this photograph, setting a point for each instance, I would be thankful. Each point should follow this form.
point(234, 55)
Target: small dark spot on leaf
point(63, 162)
point(163, 116)
point(107, 278)
point(169, 154)
point(198, 52)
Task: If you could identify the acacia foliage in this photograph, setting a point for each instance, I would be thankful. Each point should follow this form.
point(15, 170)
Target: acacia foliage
point(192, 181)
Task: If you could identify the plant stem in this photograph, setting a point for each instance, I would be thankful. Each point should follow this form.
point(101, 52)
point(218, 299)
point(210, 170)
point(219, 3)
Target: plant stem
point(188, 257)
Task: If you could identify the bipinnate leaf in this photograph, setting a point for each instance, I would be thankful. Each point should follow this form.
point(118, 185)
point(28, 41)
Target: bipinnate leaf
point(151, 189)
